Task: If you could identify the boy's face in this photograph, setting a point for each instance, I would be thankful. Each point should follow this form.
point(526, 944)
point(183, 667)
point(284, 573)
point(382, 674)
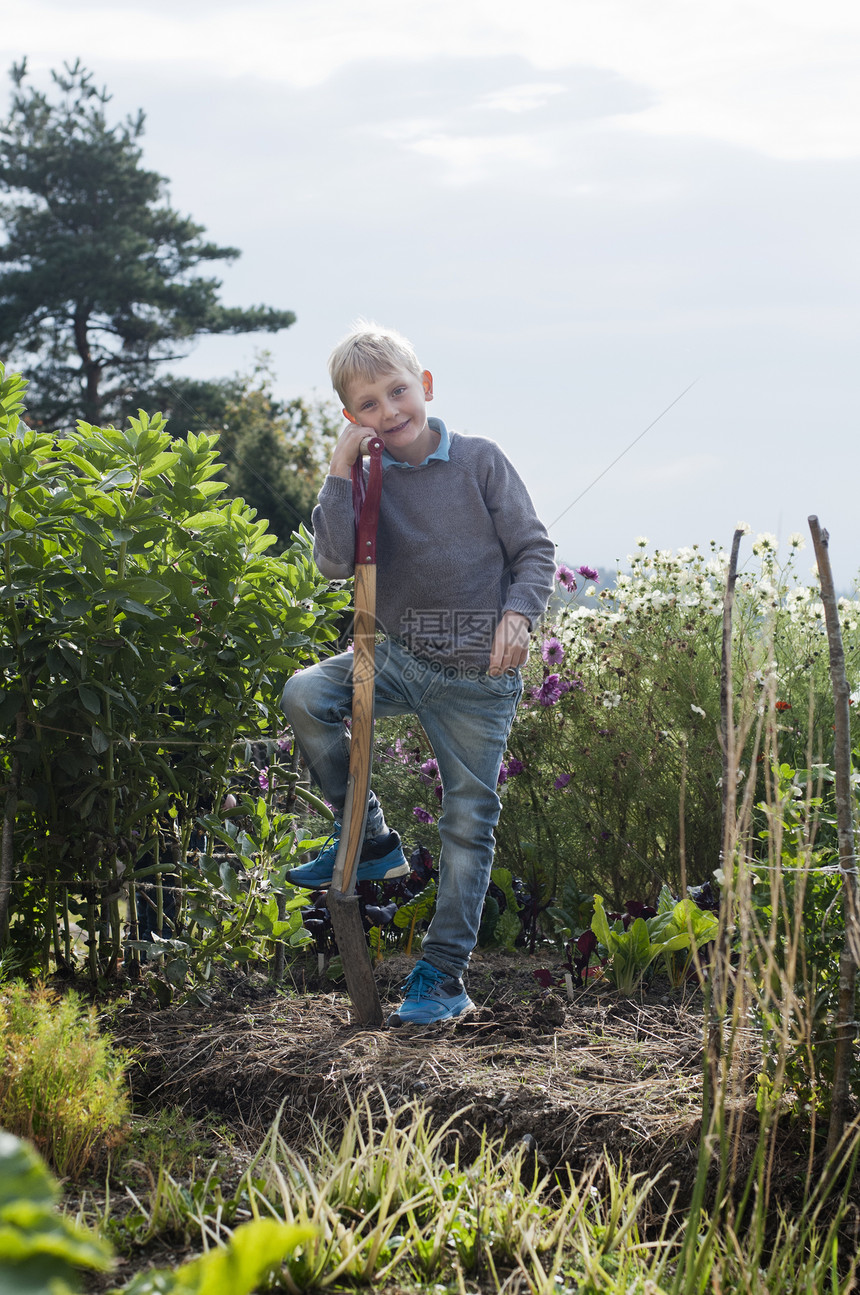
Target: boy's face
point(393, 405)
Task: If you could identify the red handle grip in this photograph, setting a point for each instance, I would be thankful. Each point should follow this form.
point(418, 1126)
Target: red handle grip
point(365, 499)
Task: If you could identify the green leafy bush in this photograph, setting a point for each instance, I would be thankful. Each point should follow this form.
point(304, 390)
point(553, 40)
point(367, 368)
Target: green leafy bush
point(62, 1083)
point(145, 631)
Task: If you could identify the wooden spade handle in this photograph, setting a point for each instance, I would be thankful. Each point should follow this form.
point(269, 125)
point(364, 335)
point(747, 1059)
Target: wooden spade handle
point(363, 668)
point(361, 733)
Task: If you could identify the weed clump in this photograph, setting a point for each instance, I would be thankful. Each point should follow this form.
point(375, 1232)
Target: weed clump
point(62, 1083)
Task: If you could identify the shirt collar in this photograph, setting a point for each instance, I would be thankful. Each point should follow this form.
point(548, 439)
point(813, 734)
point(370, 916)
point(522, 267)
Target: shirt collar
point(441, 451)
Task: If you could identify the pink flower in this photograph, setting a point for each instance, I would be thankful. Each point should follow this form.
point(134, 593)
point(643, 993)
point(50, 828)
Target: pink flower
point(552, 651)
point(565, 577)
point(423, 815)
point(550, 690)
point(588, 573)
point(263, 779)
point(285, 744)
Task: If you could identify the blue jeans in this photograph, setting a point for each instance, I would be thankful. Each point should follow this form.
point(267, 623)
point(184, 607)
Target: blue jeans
point(467, 719)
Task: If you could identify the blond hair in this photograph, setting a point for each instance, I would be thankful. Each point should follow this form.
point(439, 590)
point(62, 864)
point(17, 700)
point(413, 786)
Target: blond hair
point(367, 352)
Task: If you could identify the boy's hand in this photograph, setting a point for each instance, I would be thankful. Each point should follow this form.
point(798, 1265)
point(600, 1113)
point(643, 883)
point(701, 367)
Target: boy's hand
point(510, 644)
point(348, 449)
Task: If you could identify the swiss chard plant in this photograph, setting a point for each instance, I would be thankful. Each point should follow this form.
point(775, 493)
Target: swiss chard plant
point(681, 918)
point(629, 953)
point(42, 1252)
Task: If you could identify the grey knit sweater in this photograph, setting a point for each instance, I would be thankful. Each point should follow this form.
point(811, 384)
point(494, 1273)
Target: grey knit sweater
point(459, 543)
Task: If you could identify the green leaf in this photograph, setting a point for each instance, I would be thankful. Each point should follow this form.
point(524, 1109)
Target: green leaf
point(100, 740)
point(203, 521)
point(90, 698)
point(599, 924)
point(229, 880)
point(83, 465)
point(235, 1269)
point(10, 704)
point(23, 1176)
point(40, 1250)
point(640, 943)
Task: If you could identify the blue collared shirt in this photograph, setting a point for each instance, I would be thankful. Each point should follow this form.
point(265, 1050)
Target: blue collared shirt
point(441, 451)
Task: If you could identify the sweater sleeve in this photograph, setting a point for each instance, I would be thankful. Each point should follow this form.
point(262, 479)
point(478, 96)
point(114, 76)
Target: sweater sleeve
point(333, 523)
point(529, 552)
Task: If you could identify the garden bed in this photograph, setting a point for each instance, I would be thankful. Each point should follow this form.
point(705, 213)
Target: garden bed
point(576, 1076)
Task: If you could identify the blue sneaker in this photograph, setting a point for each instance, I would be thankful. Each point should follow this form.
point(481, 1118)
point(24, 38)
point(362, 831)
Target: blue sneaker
point(431, 995)
point(381, 859)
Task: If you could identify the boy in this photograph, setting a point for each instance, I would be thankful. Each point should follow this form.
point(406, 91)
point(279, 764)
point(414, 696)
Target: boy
point(464, 569)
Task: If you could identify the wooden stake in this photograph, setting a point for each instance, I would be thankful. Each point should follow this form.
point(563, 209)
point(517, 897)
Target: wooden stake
point(850, 955)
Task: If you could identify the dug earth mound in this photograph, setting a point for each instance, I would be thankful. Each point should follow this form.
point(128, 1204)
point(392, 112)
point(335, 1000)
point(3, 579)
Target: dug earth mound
point(570, 1077)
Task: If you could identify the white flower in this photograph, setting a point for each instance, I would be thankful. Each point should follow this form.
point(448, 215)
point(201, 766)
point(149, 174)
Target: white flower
point(765, 542)
point(611, 699)
point(797, 541)
point(640, 541)
point(590, 591)
point(743, 527)
point(719, 876)
point(697, 709)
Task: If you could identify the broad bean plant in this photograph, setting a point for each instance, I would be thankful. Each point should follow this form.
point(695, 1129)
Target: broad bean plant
point(146, 636)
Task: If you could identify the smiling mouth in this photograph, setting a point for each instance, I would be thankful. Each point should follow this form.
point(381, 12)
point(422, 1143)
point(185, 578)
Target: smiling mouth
point(398, 428)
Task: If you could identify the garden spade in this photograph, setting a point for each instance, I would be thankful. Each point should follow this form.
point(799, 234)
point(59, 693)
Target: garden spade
point(342, 900)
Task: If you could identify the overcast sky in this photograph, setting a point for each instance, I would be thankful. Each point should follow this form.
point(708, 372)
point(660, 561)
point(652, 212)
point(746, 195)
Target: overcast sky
point(575, 208)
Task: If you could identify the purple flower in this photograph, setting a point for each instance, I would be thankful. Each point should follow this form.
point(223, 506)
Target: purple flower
point(515, 766)
point(561, 781)
point(438, 791)
point(423, 815)
point(565, 577)
point(588, 573)
point(549, 691)
point(503, 774)
point(285, 744)
point(263, 779)
point(429, 772)
point(552, 651)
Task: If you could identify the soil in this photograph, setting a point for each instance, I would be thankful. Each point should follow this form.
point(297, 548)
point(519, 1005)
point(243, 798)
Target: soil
point(572, 1075)
point(576, 1074)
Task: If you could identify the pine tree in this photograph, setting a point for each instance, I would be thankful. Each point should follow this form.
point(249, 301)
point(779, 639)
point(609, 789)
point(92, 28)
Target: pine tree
point(96, 275)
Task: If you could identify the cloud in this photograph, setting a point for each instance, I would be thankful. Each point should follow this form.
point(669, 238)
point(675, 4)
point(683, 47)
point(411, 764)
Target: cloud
point(774, 76)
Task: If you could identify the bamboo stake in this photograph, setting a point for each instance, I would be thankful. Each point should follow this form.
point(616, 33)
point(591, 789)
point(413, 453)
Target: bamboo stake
point(849, 958)
point(720, 960)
